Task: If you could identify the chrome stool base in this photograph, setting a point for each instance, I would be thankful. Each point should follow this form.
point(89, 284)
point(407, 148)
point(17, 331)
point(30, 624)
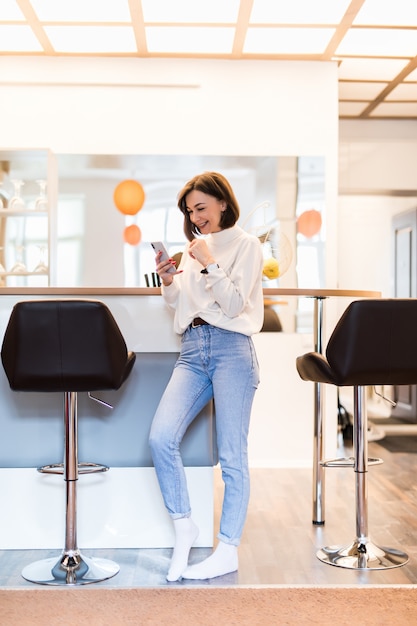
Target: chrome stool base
point(71, 568)
point(362, 555)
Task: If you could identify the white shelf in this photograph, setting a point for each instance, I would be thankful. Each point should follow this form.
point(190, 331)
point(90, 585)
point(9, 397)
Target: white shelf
point(23, 213)
point(29, 224)
point(5, 274)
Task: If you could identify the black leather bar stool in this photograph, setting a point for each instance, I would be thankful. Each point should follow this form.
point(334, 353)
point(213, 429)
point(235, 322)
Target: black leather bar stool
point(67, 346)
point(374, 343)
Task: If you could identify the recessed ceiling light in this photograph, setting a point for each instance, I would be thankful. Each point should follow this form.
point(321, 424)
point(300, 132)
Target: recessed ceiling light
point(287, 40)
point(10, 11)
point(412, 76)
point(18, 39)
point(198, 40)
point(352, 90)
point(89, 39)
point(298, 11)
point(403, 92)
point(398, 13)
point(378, 42)
point(395, 109)
point(370, 69)
point(82, 10)
point(186, 11)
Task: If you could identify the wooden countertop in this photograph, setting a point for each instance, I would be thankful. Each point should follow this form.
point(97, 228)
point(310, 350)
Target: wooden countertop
point(322, 293)
point(81, 291)
point(156, 291)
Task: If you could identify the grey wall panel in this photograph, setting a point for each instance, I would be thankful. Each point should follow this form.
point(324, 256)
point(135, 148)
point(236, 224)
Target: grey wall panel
point(31, 424)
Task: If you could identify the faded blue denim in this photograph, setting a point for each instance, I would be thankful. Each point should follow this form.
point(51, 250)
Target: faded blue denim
point(212, 363)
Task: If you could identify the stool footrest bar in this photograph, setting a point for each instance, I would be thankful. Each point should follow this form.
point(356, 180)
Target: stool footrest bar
point(348, 462)
point(83, 468)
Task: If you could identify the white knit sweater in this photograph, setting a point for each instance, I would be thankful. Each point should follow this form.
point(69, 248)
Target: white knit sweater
point(230, 297)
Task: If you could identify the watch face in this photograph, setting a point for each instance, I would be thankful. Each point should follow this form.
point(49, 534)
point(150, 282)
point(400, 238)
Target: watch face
point(211, 267)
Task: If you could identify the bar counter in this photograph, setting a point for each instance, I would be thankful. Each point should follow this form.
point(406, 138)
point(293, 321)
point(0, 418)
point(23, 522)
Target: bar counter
point(123, 507)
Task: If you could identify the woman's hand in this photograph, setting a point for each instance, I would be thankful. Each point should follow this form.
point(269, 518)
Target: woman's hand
point(163, 268)
point(198, 250)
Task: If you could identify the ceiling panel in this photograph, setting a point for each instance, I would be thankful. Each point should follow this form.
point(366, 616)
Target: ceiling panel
point(395, 110)
point(212, 12)
point(298, 11)
point(80, 10)
point(412, 76)
point(379, 42)
point(398, 13)
point(370, 69)
point(374, 42)
point(403, 92)
point(360, 91)
point(287, 41)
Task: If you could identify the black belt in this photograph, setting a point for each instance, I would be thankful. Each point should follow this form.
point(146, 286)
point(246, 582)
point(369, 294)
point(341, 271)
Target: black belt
point(197, 321)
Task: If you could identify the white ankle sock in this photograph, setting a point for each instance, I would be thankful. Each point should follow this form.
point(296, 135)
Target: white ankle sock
point(223, 561)
point(186, 532)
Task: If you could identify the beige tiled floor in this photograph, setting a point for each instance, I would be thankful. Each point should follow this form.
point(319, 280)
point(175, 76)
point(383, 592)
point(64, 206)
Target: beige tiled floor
point(279, 544)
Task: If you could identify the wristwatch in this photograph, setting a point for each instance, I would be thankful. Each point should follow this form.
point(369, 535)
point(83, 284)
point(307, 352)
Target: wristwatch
point(210, 268)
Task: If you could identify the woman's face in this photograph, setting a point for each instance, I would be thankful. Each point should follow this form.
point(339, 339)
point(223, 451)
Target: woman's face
point(205, 211)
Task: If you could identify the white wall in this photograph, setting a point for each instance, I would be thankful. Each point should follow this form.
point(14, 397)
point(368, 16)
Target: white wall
point(182, 107)
point(281, 429)
point(377, 179)
point(376, 155)
point(157, 106)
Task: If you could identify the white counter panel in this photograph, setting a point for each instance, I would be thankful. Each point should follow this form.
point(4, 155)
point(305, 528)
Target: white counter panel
point(144, 320)
point(121, 508)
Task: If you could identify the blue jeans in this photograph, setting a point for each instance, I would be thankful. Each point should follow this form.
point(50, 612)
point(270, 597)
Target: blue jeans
point(219, 364)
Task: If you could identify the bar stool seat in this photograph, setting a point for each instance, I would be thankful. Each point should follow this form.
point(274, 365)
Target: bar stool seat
point(374, 343)
point(67, 346)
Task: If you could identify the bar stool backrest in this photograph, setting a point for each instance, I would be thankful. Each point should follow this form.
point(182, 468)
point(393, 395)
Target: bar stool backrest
point(64, 345)
point(375, 343)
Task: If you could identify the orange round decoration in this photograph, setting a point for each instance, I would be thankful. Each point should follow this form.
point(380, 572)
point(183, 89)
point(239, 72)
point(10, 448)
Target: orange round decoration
point(129, 197)
point(132, 235)
point(309, 223)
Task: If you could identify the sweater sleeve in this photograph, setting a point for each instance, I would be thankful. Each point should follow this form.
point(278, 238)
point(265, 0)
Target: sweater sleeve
point(233, 291)
point(170, 294)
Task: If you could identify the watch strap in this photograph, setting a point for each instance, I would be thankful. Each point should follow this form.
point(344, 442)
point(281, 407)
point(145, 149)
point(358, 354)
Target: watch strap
point(209, 268)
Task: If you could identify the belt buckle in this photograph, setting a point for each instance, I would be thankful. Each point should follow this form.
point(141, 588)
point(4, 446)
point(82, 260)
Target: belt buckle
point(194, 325)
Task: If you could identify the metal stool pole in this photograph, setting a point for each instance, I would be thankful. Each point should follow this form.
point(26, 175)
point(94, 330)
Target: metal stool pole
point(72, 568)
point(361, 553)
point(318, 438)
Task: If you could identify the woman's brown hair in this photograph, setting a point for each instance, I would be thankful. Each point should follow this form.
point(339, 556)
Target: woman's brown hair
point(216, 185)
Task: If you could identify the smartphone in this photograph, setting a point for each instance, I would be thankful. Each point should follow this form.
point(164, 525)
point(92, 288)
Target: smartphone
point(158, 246)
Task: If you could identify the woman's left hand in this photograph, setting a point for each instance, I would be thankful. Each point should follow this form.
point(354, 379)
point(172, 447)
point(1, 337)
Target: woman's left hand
point(199, 251)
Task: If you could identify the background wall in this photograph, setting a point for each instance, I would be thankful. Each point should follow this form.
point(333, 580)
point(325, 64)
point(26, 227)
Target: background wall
point(377, 179)
point(156, 106)
point(159, 106)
